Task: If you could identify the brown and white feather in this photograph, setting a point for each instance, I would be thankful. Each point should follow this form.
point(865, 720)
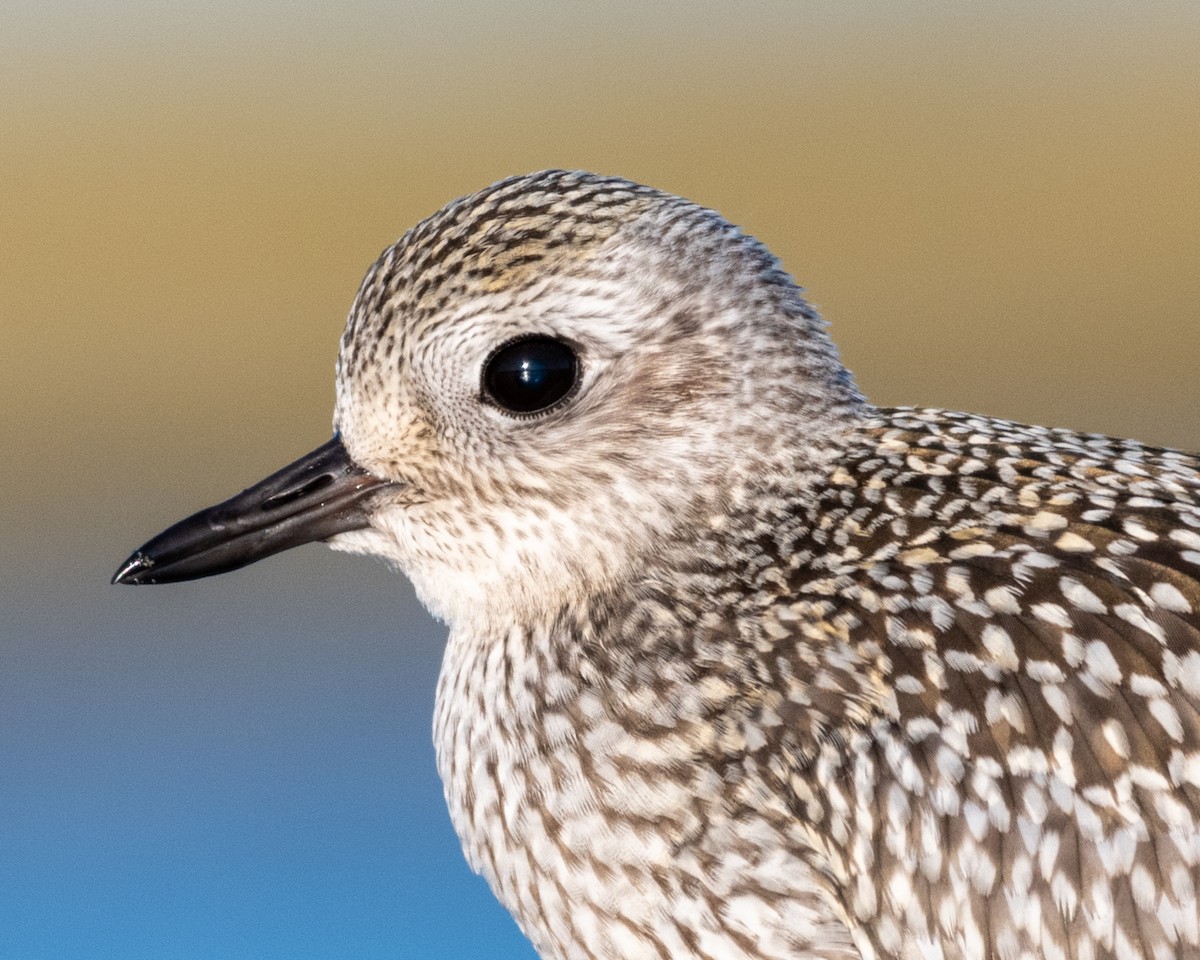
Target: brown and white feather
point(743, 667)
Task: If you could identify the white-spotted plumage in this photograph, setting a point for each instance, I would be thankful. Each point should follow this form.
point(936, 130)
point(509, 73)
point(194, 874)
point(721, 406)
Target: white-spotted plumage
point(743, 667)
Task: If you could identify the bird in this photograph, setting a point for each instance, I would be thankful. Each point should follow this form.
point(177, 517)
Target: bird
point(740, 665)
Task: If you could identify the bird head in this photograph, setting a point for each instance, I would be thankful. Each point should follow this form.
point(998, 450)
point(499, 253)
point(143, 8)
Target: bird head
point(536, 387)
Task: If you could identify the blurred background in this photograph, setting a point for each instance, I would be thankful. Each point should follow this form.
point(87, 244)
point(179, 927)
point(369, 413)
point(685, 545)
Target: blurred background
point(996, 205)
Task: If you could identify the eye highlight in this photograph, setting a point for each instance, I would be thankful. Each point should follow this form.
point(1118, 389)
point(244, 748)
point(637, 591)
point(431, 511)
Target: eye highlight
point(530, 374)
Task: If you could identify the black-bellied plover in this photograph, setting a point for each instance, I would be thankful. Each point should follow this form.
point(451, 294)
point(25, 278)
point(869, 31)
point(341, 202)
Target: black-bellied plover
point(739, 665)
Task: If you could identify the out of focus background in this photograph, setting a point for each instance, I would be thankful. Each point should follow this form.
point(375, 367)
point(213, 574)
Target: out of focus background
point(996, 205)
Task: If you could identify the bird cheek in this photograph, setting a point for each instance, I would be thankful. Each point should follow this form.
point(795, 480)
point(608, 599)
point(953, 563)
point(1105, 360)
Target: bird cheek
point(371, 542)
point(392, 535)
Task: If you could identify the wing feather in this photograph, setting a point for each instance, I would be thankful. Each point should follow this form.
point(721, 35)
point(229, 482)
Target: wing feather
point(1038, 707)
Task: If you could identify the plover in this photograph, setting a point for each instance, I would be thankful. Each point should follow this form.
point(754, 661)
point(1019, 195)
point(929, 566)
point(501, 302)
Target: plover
point(739, 665)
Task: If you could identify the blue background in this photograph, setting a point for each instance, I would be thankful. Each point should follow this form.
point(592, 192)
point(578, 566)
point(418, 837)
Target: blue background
point(235, 768)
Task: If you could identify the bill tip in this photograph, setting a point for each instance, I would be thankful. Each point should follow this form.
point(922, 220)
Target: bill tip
point(130, 570)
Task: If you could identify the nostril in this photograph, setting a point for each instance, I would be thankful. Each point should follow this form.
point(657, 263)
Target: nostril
point(297, 493)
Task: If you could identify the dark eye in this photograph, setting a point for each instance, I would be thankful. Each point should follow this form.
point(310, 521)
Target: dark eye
point(530, 374)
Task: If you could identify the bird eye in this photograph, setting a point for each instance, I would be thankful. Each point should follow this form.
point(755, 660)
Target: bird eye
point(530, 374)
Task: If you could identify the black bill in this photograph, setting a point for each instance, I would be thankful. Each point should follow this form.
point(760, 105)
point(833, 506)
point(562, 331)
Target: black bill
point(320, 495)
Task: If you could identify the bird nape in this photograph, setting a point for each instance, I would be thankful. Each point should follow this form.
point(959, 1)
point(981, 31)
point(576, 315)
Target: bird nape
point(740, 665)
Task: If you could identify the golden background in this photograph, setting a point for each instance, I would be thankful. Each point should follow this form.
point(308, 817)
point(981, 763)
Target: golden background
point(996, 206)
